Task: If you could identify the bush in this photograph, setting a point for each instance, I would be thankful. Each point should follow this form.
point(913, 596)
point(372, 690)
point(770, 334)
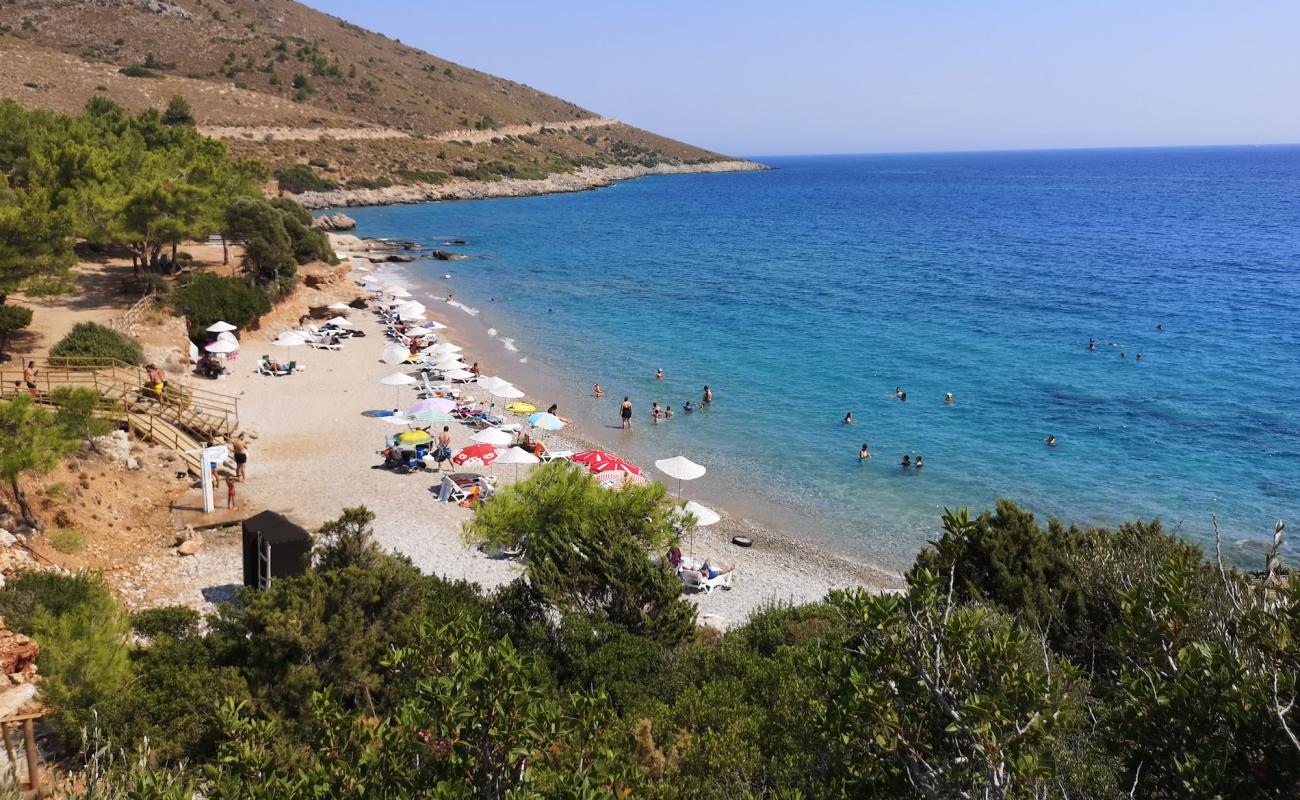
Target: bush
point(138, 71)
point(207, 298)
point(67, 540)
point(12, 318)
point(178, 112)
point(90, 341)
point(177, 622)
point(300, 178)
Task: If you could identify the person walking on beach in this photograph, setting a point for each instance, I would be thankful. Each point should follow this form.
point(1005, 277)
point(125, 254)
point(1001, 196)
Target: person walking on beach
point(659, 374)
point(443, 450)
point(240, 448)
point(29, 374)
point(627, 414)
point(864, 453)
point(708, 395)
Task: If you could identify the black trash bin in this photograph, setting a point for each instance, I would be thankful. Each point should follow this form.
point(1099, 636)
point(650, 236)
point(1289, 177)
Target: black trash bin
point(274, 547)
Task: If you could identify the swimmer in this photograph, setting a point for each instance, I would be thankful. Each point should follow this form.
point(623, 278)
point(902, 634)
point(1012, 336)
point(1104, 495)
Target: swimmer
point(947, 399)
point(450, 297)
point(659, 374)
point(848, 418)
point(1160, 327)
point(898, 392)
point(1139, 356)
point(864, 453)
point(598, 392)
point(688, 408)
point(655, 413)
point(1122, 355)
point(1092, 345)
point(907, 462)
point(1050, 441)
point(918, 463)
point(668, 411)
point(903, 397)
point(708, 395)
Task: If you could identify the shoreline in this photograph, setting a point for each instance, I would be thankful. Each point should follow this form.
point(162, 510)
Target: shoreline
point(315, 455)
point(582, 180)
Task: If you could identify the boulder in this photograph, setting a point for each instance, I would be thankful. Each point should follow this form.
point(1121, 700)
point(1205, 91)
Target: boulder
point(7, 539)
point(115, 446)
point(334, 222)
point(188, 548)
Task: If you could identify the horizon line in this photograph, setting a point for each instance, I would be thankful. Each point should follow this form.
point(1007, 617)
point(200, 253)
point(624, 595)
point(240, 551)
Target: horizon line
point(995, 150)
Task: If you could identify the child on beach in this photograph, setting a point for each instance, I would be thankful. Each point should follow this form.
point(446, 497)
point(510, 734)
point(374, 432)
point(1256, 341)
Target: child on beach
point(668, 411)
point(655, 413)
point(597, 392)
point(230, 491)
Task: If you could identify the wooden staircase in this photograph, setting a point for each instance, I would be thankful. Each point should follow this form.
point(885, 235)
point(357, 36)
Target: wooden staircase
point(183, 419)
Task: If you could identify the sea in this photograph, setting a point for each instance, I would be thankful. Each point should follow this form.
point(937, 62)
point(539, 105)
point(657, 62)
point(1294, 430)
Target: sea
point(829, 283)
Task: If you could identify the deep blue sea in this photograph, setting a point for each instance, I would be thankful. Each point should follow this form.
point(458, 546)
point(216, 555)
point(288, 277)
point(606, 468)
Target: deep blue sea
point(817, 288)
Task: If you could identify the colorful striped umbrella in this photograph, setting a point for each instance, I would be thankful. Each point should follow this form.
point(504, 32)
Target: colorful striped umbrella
point(599, 461)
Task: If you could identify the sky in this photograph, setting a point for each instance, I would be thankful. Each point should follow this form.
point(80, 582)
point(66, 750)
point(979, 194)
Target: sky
point(810, 76)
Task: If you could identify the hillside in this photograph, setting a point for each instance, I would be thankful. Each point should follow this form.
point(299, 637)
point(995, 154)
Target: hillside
point(290, 85)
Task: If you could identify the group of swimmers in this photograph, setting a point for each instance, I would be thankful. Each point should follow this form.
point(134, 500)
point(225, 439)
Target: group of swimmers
point(658, 413)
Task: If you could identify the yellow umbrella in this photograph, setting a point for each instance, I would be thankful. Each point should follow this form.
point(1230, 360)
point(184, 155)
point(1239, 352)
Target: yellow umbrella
point(415, 437)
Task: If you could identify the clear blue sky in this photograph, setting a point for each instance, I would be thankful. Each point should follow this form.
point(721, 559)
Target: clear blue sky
point(766, 78)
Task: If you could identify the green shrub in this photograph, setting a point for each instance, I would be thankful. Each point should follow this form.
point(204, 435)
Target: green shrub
point(177, 622)
point(319, 163)
point(90, 341)
point(178, 112)
point(300, 178)
point(422, 176)
point(206, 298)
point(12, 318)
point(67, 540)
point(138, 71)
point(48, 286)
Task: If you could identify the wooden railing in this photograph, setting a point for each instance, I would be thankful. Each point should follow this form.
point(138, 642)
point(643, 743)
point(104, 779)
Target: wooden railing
point(201, 412)
point(123, 323)
point(27, 723)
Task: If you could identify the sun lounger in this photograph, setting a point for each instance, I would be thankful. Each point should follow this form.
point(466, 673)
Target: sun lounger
point(695, 580)
point(552, 455)
point(451, 490)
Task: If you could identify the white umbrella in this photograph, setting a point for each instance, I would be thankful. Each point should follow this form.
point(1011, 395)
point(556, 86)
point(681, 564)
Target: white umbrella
point(517, 456)
point(221, 327)
point(458, 375)
point(704, 516)
point(493, 436)
point(221, 346)
point(395, 354)
point(339, 306)
point(397, 380)
point(681, 468)
point(491, 382)
point(340, 322)
point(409, 308)
point(396, 291)
point(505, 392)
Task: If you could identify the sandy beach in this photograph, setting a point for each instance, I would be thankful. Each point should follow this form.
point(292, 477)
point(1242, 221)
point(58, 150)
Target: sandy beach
point(314, 454)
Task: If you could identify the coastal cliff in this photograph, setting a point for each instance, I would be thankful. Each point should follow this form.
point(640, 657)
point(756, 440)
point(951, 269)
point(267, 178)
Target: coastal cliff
point(580, 180)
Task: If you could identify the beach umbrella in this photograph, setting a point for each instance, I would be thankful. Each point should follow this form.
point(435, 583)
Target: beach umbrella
point(484, 454)
point(408, 307)
point(446, 347)
point(340, 322)
point(458, 375)
point(396, 291)
point(221, 327)
point(395, 354)
point(415, 437)
point(445, 364)
point(435, 404)
point(289, 339)
point(517, 456)
point(493, 436)
point(506, 392)
point(681, 468)
point(544, 421)
point(221, 346)
point(704, 517)
point(432, 416)
point(394, 419)
point(490, 382)
point(599, 461)
point(339, 306)
point(397, 380)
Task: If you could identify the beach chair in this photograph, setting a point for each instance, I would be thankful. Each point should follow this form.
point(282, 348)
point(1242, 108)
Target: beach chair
point(487, 487)
point(292, 367)
point(449, 491)
point(554, 455)
point(695, 580)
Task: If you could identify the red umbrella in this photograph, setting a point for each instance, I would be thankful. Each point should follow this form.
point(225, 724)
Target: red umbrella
point(600, 461)
point(483, 453)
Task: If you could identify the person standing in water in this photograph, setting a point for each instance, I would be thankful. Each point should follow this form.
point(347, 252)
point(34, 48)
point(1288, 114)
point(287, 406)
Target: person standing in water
point(627, 414)
point(659, 374)
point(654, 412)
point(708, 396)
point(864, 453)
point(947, 399)
point(907, 462)
point(598, 392)
point(1050, 441)
point(1092, 345)
point(848, 418)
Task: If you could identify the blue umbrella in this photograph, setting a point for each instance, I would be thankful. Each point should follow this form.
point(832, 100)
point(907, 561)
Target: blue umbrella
point(545, 421)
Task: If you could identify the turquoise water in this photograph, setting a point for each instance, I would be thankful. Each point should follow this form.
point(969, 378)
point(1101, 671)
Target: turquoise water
point(815, 289)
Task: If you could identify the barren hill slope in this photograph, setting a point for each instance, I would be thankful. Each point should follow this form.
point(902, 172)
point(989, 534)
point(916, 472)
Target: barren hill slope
point(351, 110)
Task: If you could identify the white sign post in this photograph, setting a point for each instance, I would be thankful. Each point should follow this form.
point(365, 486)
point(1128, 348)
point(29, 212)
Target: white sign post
point(210, 458)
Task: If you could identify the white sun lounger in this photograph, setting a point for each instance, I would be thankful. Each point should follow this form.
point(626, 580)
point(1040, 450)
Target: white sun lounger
point(696, 580)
